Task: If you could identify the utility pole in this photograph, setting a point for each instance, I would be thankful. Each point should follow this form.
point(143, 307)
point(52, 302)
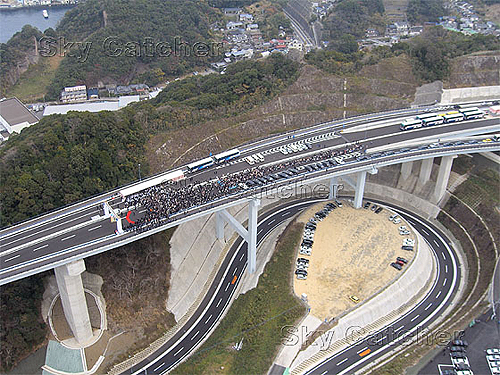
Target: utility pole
point(139, 171)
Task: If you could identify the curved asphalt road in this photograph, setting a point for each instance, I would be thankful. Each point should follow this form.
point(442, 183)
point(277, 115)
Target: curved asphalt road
point(412, 323)
point(224, 285)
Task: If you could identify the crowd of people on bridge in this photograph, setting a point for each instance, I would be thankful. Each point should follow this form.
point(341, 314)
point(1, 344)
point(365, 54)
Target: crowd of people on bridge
point(164, 201)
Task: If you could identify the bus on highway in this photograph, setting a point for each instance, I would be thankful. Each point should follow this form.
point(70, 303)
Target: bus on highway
point(473, 115)
point(227, 155)
point(431, 121)
point(470, 109)
point(410, 123)
point(200, 164)
point(426, 115)
point(454, 117)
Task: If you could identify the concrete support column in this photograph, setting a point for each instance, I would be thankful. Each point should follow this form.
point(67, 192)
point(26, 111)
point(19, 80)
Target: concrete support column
point(360, 188)
point(443, 176)
point(219, 226)
point(69, 282)
point(105, 207)
point(119, 228)
point(253, 211)
point(425, 170)
point(406, 169)
point(334, 188)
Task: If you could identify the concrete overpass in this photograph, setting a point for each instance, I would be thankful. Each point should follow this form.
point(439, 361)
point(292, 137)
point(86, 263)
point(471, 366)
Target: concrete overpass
point(62, 239)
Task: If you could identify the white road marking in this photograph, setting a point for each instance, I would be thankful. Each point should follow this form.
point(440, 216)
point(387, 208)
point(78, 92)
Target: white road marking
point(428, 306)
point(218, 303)
point(259, 232)
point(437, 296)
point(362, 350)
point(272, 221)
point(382, 339)
point(444, 256)
point(91, 229)
point(159, 366)
point(178, 351)
point(444, 282)
point(284, 214)
point(210, 317)
point(67, 238)
point(41, 247)
point(227, 286)
point(324, 372)
point(436, 243)
point(427, 233)
point(399, 328)
point(196, 334)
point(344, 360)
point(446, 268)
point(242, 255)
point(414, 318)
point(236, 269)
point(14, 257)
point(142, 211)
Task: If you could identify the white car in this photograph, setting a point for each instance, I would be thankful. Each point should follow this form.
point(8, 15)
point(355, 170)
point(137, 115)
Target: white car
point(392, 217)
point(396, 220)
point(284, 150)
point(250, 160)
point(492, 351)
point(456, 361)
point(402, 227)
point(259, 156)
point(301, 276)
point(404, 232)
point(409, 241)
point(494, 357)
point(305, 251)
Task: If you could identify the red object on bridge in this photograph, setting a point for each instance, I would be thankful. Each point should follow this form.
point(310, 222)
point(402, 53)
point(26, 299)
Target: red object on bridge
point(128, 218)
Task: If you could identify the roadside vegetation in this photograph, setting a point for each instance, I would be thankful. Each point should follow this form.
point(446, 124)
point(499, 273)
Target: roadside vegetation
point(430, 53)
point(256, 319)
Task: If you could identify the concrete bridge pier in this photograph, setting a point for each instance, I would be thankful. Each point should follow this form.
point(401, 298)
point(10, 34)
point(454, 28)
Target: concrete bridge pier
point(443, 176)
point(425, 170)
point(250, 235)
point(406, 169)
point(70, 285)
point(334, 188)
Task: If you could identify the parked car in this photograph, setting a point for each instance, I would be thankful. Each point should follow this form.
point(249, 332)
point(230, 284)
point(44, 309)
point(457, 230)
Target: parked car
point(402, 260)
point(367, 205)
point(458, 355)
point(301, 266)
point(457, 349)
point(396, 220)
point(338, 203)
point(301, 276)
point(396, 266)
point(354, 299)
point(400, 263)
point(305, 251)
point(406, 247)
point(374, 207)
point(303, 261)
point(404, 232)
point(378, 210)
point(460, 343)
point(392, 217)
point(492, 351)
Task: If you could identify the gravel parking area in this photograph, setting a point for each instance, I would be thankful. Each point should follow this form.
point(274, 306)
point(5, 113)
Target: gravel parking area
point(351, 255)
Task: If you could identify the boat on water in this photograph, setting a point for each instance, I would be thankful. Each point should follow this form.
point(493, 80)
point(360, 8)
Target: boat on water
point(45, 13)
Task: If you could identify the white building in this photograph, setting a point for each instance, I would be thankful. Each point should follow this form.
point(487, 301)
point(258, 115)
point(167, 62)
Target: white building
point(74, 94)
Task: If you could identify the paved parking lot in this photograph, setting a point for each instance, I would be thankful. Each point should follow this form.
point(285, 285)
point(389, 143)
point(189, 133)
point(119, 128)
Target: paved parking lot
point(484, 334)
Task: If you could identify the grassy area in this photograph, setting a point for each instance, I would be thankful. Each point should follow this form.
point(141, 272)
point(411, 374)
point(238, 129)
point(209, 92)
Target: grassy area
point(32, 84)
point(257, 317)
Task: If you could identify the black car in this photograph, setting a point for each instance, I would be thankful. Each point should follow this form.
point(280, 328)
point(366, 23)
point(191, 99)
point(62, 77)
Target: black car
point(374, 207)
point(396, 266)
point(308, 168)
point(378, 210)
point(408, 248)
point(457, 349)
point(458, 355)
point(367, 205)
point(301, 272)
point(460, 343)
point(303, 260)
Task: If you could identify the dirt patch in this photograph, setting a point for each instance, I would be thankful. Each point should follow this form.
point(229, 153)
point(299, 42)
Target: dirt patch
point(351, 247)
